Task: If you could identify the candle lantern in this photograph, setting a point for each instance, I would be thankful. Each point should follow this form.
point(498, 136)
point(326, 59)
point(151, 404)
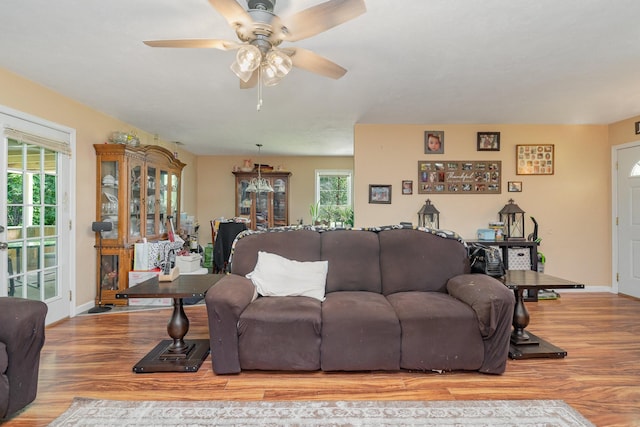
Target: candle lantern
point(429, 216)
point(513, 218)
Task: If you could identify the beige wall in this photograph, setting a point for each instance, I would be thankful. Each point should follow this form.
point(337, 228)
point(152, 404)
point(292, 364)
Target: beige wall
point(92, 127)
point(216, 185)
point(623, 131)
point(572, 207)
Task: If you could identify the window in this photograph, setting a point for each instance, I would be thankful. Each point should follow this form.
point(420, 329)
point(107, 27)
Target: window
point(333, 197)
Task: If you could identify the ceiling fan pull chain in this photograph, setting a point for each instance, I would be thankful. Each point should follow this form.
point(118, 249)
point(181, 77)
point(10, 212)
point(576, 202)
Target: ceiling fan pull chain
point(259, 106)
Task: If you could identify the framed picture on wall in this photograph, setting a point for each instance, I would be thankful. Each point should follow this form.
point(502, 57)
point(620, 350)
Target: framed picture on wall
point(535, 159)
point(433, 142)
point(488, 141)
point(379, 193)
point(515, 186)
point(407, 187)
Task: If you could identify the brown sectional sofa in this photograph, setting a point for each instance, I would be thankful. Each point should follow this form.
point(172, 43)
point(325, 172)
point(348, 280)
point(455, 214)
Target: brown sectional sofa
point(395, 298)
point(21, 339)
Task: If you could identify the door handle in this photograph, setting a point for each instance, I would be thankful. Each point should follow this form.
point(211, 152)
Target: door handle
point(4, 246)
point(1, 229)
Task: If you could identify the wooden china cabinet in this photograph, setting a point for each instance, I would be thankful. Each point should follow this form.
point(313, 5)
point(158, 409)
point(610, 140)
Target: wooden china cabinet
point(264, 209)
point(138, 191)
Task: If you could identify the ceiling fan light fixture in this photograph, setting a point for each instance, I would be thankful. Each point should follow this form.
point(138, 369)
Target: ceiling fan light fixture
point(277, 64)
point(247, 60)
point(280, 61)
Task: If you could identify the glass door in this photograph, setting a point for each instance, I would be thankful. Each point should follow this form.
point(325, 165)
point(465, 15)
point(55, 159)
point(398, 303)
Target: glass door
point(31, 224)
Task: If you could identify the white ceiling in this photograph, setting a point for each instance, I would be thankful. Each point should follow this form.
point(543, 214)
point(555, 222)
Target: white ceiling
point(428, 61)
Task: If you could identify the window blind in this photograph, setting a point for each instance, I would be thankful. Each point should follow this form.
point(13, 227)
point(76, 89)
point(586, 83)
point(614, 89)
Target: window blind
point(62, 147)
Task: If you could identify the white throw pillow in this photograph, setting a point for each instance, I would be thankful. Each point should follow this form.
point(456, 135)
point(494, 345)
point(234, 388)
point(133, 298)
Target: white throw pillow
point(274, 275)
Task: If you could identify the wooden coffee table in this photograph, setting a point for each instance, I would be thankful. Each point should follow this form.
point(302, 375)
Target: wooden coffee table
point(524, 344)
point(176, 354)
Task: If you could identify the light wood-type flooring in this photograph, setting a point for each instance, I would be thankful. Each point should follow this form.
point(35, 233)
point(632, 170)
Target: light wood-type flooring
point(92, 356)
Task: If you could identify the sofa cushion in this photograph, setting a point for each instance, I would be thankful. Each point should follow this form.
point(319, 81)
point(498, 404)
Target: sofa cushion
point(280, 333)
point(299, 245)
point(4, 359)
point(438, 332)
point(414, 260)
point(278, 276)
point(354, 260)
point(360, 331)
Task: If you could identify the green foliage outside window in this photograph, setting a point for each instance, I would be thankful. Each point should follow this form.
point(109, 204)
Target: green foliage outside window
point(334, 204)
point(15, 196)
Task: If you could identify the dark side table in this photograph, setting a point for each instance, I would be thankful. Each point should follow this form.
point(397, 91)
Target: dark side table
point(524, 344)
point(176, 354)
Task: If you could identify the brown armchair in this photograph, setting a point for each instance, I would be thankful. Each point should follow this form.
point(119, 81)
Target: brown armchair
point(21, 339)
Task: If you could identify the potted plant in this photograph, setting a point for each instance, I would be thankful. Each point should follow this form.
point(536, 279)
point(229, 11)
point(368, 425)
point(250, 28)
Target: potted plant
point(314, 210)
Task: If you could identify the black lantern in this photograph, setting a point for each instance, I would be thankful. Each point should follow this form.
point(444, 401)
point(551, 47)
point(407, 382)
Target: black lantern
point(429, 216)
point(513, 218)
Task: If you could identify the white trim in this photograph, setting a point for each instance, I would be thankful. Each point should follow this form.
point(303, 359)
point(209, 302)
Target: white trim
point(614, 210)
point(53, 132)
point(319, 172)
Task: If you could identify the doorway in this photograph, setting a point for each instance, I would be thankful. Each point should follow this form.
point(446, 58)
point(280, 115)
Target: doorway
point(627, 206)
point(36, 240)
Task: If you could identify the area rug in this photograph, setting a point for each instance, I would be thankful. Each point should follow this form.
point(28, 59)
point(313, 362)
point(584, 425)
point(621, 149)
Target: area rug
point(91, 412)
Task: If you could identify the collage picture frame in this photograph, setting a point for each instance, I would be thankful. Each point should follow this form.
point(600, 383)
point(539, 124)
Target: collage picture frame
point(535, 159)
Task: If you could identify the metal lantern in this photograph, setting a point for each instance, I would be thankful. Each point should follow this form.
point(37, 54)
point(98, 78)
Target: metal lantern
point(429, 216)
point(513, 218)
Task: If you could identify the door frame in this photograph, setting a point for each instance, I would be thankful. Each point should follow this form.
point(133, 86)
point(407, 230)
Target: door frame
point(614, 211)
point(69, 193)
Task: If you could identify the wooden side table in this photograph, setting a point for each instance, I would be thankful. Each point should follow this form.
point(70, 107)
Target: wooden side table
point(176, 354)
point(524, 344)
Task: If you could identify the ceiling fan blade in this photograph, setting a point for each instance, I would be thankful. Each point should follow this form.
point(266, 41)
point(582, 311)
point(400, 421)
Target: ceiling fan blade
point(194, 43)
point(319, 18)
point(315, 63)
point(252, 82)
point(231, 10)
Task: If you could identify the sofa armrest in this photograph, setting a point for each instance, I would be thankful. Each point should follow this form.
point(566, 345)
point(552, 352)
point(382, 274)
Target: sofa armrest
point(487, 296)
point(225, 302)
point(493, 304)
point(23, 333)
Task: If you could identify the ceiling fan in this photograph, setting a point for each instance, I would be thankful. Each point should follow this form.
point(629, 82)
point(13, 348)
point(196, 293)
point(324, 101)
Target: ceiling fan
point(259, 56)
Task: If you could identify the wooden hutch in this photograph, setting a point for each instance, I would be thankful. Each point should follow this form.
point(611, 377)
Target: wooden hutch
point(138, 191)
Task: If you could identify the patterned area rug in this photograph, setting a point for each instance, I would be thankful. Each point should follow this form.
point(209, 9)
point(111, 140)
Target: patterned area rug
point(90, 412)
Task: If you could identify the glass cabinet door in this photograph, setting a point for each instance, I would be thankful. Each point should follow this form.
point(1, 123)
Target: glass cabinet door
point(279, 203)
point(108, 270)
point(135, 201)
point(110, 179)
point(243, 199)
point(175, 185)
point(262, 210)
point(150, 203)
point(163, 201)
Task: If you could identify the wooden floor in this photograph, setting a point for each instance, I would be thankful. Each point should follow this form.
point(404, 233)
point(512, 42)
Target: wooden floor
point(92, 356)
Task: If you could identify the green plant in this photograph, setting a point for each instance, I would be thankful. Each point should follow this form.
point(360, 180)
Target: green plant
point(336, 215)
point(314, 210)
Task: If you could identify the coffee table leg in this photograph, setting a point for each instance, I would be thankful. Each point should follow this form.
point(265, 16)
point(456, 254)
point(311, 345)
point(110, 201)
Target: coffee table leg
point(177, 328)
point(520, 320)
